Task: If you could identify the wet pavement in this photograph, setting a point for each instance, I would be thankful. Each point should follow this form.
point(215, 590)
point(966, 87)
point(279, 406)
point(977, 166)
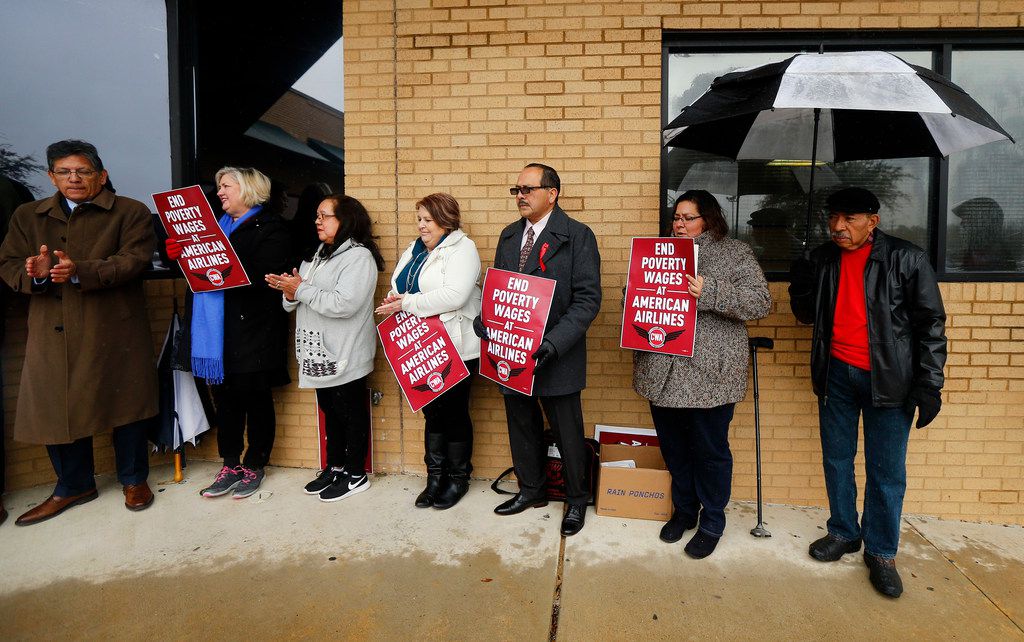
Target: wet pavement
point(283, 565)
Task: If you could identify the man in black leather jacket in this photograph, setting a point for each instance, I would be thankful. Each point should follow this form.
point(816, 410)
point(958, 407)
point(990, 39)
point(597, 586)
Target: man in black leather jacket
point(878, 350)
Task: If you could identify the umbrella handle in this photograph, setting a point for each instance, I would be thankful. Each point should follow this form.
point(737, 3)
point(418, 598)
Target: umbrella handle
point(810, 185)
point(178, 475)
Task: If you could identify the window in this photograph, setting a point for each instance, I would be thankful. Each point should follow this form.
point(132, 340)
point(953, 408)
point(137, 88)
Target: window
point(979, 192)
point(109, 88)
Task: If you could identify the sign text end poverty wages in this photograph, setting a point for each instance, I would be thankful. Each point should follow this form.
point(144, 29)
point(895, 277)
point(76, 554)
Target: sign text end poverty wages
point(662, 271)
point(425, 357)
point(186, 223)
point(511, 306)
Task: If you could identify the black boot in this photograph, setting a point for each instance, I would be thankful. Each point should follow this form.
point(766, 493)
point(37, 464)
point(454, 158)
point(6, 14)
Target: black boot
point(434, 459)
point(459, 468)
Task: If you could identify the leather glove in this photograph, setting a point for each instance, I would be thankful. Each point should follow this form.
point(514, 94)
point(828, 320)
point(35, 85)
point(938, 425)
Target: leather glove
point(479, 329)
point(801, 276)
point(173, 249)
point(544, 355)
point(927, 400)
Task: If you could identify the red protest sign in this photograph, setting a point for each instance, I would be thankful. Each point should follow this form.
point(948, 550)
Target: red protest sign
point(207, 258)
point(515, 311)
point(421, 355)
point(660, 315)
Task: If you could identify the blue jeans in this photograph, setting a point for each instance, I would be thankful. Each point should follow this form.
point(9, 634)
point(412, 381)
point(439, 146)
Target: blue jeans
point(886, 431)
point(695, 445)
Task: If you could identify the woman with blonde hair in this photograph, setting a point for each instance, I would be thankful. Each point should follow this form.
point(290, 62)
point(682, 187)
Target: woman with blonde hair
point(237, 337)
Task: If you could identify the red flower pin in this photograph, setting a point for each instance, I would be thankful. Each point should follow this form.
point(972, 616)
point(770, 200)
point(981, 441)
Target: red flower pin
point(543, 251)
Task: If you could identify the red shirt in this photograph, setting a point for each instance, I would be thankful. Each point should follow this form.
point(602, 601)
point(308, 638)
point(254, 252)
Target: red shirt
point(850, 325)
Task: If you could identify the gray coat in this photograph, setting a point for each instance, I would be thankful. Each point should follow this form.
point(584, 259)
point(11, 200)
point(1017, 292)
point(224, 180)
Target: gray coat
point(734, 292)
point(572, 260)
point(335, 336)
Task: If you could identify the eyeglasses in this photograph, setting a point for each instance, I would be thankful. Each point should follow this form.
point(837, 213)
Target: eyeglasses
point(526, 189)
point(320, 217)
point(685, 219)
point(81, 173)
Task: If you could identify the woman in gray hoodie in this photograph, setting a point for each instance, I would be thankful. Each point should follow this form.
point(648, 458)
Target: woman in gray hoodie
point(335, 337)
point(693, 398)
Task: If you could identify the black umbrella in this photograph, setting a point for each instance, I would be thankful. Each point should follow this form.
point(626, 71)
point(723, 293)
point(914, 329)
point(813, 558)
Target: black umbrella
point(833, 107)
point(181, 418)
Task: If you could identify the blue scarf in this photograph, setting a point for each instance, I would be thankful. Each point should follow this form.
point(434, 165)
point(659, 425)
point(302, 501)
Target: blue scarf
point(208, 319)
point(408, 280)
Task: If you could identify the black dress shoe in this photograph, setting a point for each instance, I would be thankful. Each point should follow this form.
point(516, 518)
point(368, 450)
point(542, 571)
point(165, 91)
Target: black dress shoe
point(884, 576)
point(518, 504)
point(701, 545)
point(830, 548)
point(572, 523)
point(674, 528)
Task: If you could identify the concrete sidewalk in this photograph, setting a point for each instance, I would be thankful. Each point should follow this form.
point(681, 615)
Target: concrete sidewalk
point(283, 565)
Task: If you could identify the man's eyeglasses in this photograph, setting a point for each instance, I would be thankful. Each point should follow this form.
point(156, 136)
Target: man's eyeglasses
point(685, 219)
point(81, 173)
point(526, 189)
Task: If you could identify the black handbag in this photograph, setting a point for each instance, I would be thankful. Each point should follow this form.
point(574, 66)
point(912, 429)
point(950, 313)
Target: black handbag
point(554, 489)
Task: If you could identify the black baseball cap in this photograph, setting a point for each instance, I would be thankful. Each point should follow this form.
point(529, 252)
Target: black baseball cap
point(852, 200)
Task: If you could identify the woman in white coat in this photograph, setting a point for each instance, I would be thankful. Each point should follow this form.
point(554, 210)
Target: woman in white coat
point(437, 276)
point(335, 337)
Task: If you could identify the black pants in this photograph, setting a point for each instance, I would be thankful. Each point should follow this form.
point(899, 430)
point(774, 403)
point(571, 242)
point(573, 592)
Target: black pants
point(347, 414)
point(449, 414)
point(695, 446)
point(529, 454)
point(76, 469)
point(237, 407)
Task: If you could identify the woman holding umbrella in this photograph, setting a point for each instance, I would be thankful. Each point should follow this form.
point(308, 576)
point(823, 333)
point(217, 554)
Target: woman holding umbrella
point(692, 398)
point(335, 337)
point(237, 337)
point(437, 275)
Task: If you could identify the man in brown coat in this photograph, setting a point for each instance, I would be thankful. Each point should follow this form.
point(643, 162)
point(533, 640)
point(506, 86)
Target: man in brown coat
point(89, 360)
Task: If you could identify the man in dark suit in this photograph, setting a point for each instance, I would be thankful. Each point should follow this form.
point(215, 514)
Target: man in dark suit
point(545, 242)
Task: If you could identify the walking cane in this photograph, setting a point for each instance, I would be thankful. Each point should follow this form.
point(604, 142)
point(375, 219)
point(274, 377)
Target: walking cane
point(767, 344)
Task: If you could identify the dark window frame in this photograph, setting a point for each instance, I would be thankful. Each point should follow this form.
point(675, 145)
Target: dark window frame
point(941, 43)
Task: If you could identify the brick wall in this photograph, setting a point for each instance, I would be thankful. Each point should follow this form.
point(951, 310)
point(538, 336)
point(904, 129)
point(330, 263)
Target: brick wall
point(457, 95)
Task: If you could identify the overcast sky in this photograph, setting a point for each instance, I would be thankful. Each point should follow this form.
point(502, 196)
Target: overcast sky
point(325, 80)
point(89, 69)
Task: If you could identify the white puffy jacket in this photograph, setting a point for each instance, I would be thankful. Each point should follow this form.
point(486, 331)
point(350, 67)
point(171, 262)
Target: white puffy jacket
point(448, 288)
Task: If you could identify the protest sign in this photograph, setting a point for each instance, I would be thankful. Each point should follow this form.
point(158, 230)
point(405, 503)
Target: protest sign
point(421, 355)
point(207, 258)
point(515, 311)
point(659, 314)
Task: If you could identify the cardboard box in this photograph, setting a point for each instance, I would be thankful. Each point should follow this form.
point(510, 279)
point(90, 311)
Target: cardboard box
point(644, 492)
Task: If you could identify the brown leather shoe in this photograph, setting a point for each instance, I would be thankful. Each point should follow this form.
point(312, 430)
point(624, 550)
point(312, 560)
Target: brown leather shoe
point(137, 496)
point(54, 506)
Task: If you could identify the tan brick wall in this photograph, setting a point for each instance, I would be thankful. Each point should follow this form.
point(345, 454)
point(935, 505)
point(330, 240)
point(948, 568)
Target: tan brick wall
point(457, 95)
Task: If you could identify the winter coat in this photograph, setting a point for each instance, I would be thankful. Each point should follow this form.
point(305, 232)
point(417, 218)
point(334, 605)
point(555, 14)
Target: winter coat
point(255, 325)
point(734, 292)
point(573, 261)
point(335, 335)
point(89, 363)
point(448, 288)
point(906, 318)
